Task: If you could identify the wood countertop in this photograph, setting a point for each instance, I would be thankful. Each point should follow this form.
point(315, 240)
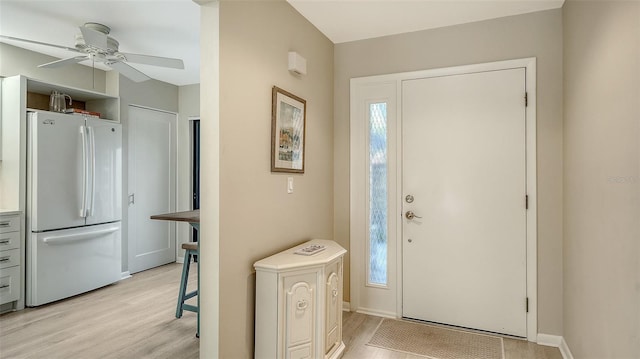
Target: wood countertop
point(185, 216)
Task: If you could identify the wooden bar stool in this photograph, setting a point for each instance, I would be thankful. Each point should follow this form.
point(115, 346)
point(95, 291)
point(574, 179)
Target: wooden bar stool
point(191, 249)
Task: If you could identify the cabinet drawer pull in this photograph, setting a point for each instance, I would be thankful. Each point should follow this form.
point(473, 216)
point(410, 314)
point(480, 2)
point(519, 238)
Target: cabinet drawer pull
point(4, 286)
point(5, 259)
point(302, 305)
point(6, 241)
point(334, 293)
point(4, 224)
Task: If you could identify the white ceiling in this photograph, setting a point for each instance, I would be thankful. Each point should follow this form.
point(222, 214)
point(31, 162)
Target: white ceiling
point(350, 20)
point(158, 28)
point(172, 28)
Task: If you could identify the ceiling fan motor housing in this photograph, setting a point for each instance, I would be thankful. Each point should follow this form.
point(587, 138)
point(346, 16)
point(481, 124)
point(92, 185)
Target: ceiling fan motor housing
point(111, 52)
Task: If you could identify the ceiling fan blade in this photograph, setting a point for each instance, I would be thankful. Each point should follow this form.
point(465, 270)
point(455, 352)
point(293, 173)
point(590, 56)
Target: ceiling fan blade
point(63, 62)
point(39, 43)
point(94, 38)
point(154, 60)
point(128, 71)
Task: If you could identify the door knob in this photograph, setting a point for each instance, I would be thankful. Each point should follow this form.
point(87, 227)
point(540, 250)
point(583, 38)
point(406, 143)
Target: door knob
point(411, 215)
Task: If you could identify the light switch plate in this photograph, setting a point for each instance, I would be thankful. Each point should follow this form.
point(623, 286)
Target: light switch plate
point(289, 185)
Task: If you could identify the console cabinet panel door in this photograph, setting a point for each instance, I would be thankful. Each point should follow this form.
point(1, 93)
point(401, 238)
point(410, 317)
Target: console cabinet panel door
point(300, 311)
point(333, 306)
point(300, 352)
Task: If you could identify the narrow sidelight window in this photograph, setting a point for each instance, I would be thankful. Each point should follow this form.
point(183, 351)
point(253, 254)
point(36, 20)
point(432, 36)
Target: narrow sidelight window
point(377, 194)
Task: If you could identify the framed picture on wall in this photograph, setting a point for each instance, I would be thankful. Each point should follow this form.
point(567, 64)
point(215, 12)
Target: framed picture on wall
point(288, 124)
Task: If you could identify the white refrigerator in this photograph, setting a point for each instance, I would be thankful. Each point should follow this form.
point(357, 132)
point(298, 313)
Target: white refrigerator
point(74, 205)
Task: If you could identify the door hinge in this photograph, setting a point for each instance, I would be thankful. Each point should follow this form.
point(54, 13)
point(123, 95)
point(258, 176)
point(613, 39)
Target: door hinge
point(526, 201)
point(526, 99)
point(132, 199)
point(527, 304)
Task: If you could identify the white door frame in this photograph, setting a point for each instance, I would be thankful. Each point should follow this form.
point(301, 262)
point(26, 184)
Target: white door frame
point(358, 180)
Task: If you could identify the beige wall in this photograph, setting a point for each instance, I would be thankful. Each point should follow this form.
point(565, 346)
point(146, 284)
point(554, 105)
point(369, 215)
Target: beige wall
point(18, 61)
point(602, 179)
point(257, 216)
point(532, 35)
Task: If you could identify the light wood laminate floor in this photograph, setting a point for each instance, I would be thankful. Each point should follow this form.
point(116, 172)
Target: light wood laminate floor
point(358, 328)
point(134, 318)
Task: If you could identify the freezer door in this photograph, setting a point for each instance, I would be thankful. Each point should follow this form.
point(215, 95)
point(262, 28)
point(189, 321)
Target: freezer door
point(64, 263)
point(105, 171)
point(55, 171)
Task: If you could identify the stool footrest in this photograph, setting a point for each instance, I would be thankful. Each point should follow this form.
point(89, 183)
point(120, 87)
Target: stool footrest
point(189, 307)
point(191, 295)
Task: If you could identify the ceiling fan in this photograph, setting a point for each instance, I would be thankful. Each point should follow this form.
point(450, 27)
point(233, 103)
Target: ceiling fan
point(93, 43)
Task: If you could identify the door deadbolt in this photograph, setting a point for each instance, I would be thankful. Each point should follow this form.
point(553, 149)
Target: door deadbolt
point(409, 198)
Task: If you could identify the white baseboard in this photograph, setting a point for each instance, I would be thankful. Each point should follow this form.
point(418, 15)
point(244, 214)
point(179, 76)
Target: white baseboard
point(564, 350)
point(549, 340)
point(180, 260)
point(555, 341)
point(346, 306)
point(125, 275)
point(377, 313)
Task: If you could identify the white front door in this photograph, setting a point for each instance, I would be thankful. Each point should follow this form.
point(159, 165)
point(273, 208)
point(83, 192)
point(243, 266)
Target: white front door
point(464, 254)
point(152, 186)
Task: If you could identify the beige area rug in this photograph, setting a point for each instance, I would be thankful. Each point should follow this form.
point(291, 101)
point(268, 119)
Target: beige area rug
point(435, 342)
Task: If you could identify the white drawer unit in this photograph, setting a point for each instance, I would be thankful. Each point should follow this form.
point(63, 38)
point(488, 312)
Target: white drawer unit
point(9, 258)
point(11, 261)
point(9, 240)
point(9, 284)
point(299, 303)
point(9, 223)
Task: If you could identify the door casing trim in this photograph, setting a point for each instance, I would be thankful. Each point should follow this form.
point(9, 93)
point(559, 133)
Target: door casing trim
point(358, 232)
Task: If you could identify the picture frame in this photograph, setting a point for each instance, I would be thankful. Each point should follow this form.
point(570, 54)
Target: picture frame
point(288, 131)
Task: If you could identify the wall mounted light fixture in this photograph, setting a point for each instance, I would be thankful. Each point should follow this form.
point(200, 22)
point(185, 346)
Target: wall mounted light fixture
point(297, 63)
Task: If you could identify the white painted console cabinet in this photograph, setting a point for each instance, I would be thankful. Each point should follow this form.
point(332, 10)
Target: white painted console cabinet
point(299, 304)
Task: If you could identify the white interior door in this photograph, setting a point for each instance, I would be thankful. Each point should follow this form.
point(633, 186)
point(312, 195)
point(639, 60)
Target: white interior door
point(152, 173)
point(464, 260)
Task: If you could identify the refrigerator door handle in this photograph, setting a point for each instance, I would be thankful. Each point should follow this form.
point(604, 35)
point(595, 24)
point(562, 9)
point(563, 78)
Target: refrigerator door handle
point(52, 240)
point(92, 141)
point(83, 135)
